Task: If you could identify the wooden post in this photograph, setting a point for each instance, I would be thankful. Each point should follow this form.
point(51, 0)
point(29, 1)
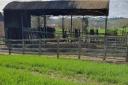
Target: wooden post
point(9, 46)
point(58, 48)
point(22, 25)
point(127, 48)
point(79, 48)
point(23, 46)
point(105, 38)
point(40, 46)
point(83, 27)
point(45, 25)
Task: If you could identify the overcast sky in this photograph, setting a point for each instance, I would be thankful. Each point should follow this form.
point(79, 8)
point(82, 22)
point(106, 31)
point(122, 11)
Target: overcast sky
point(118, 8)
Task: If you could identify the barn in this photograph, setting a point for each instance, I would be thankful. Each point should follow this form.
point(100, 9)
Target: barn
point(17, 15)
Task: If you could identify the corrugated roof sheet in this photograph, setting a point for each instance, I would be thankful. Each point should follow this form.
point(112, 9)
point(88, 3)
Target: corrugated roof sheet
point(86, 4)
point(102, 5)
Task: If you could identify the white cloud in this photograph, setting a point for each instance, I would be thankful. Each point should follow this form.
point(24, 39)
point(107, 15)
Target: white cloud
point(3, 3)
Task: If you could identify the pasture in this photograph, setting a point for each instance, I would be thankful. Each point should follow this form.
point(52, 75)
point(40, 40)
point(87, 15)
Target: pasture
point(47, 70)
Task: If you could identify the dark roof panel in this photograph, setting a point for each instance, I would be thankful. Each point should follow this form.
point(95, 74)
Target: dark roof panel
point(91, 5)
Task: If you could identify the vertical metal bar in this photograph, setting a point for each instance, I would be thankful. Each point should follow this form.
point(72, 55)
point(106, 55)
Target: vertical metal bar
point(39, 31)
point(63, 27)
point(38, 21)
point(22, 25)
point(105, 38)
point(44, 26)
point(39, 27)
point(71, 26)
point(127, 48)
point(83, 26)
point(44, 31)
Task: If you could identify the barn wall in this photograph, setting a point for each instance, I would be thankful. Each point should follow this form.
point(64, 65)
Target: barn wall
point(1, 29)
point(14, 22)
point(1, 25)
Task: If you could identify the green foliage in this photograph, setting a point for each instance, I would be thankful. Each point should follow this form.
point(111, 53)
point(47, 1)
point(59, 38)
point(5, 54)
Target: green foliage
point(41, 70)
point(113, 31)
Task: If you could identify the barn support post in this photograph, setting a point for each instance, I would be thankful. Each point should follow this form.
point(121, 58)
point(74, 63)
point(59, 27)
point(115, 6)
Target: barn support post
point(39, 26)
point(79, 41)
point(82, 26)
point(39, 31)
point(71, 27)
point(63, 28)
point(45, 25)
point(22, 25)
point(105, 38)
point(44, 29)
point(22, 40)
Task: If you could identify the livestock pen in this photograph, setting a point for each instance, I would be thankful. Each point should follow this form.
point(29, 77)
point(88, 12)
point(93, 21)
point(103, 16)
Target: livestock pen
point(24, 35)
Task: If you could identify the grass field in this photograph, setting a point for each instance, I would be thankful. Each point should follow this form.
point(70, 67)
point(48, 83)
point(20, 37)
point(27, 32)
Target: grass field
point(119, 31)
point(43, 70)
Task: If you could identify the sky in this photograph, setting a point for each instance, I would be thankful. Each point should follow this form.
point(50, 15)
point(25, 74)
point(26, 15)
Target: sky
point(118, 8)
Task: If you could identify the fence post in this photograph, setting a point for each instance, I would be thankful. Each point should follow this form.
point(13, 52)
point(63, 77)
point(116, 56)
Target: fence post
point(105, 38)
point(58, 55)
point(127, 48)
point(23, 46)
point(9, 46)
point(105, 48)
point(79, 48)
point(40, 46)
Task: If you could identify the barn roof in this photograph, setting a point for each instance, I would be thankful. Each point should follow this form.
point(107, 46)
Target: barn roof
point(76, 7)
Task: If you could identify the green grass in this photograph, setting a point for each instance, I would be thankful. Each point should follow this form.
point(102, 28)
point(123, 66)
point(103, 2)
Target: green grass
point(43, 70)
point(101, 31)
point(119, 31)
